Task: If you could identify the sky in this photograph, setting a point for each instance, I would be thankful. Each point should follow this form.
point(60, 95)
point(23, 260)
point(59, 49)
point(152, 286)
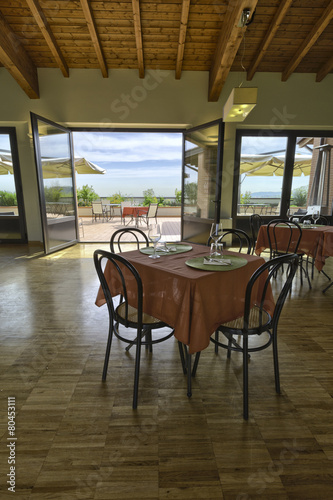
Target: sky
point(136, 161)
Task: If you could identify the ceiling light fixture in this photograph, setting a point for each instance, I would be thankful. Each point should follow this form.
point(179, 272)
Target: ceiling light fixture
point(241, 99)
point(239, 104)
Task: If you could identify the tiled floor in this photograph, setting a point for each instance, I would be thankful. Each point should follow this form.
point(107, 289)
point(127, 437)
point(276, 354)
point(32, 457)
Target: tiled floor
point(78, 438)
point(100, 230)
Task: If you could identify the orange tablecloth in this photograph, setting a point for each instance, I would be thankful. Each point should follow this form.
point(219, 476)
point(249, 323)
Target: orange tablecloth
point(311, 242)
point(193, 302)
point(134, 212)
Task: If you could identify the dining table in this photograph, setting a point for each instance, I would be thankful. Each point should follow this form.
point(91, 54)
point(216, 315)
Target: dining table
point(190, 296)
point(316, 242)
point(134, 213)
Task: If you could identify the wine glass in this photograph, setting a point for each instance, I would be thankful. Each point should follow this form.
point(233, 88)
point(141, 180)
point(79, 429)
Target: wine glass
point(154, 234)
point(216, 232)
point(315, 216)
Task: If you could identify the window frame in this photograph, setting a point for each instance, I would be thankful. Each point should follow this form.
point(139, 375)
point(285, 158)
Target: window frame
point(291, 136)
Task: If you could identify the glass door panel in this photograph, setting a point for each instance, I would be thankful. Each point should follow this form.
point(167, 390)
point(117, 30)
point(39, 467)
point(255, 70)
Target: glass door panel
point(12, 219)
point(262, 169)
point(202, 164)
point(56, 181)
point(312, 183)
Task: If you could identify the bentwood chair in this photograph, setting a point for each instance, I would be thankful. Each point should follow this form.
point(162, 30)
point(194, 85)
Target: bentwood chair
point(127, 235)
point(242, 239)
point(257, 329)
point(139, 327)
point(255, 223)
point(291, 240)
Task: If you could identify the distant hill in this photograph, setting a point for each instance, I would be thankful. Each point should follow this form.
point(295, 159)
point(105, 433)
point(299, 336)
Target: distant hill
point(266, 194)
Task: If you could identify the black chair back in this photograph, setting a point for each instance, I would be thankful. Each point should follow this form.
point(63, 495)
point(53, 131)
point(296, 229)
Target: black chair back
point(117, 286)
point(271, 267)
point(322, 221)
point(255, 222)
point(241, 237)
point(291, 238)
point(128, 235)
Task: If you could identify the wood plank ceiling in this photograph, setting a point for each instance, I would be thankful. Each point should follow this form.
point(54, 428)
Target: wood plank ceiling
point(283, 36)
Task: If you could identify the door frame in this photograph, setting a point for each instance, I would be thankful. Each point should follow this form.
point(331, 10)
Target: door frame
point(42, 204)
point(219, 171)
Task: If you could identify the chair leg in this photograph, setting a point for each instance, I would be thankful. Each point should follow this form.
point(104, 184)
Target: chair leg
point(182, 357)
point(217, 339)
point(108, 350)
point(245, 379)
point(137, 372)
point(276, 363)
point(189, 374)
point(195, 364)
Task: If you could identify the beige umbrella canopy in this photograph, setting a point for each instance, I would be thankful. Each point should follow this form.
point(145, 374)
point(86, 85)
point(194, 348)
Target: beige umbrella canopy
point(6, 166)
point(273, 165)
point(54, 167)
point(60, 167)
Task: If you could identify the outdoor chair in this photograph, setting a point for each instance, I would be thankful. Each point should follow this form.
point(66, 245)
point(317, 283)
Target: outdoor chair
point(290, 243)
point(255, 223)
point(139, 327)
point(97, 210)
point(151, 214)
point(124, 204)
point(241, 237)
point(128, 235)
point(257, 329)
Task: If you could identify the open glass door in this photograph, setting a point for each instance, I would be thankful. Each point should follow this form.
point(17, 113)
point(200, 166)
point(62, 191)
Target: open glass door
point(201, 180)
point(56, 183)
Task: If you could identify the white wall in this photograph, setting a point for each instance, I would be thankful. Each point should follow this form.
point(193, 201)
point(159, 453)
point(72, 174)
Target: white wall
point(123, 99)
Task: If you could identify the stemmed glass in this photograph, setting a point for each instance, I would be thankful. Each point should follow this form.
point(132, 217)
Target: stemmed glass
point(315, 216)
point(154, 234)
point(216, 232)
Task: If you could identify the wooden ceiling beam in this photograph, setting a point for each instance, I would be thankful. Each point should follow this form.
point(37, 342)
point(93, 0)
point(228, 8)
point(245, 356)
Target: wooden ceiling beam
point(227, 46)
point(312, 37)
point(85, 5)
point(324, 70)
point(138, 36)
point(17, 61)
point(48, 35)
point(270, 34)
point(182, 37)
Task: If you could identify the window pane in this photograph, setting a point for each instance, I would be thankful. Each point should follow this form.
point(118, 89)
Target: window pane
point(8, 200)
point(261, 174)
point(201, 151)
point(312, 183)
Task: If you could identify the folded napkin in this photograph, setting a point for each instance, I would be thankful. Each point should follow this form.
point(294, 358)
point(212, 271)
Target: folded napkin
point(166, 249)
point(217, 262)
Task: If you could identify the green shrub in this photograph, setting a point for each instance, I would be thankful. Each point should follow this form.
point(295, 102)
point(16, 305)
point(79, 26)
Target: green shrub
point(86, 195)
point(300, 196)
point(7, 199)
point(117, 198)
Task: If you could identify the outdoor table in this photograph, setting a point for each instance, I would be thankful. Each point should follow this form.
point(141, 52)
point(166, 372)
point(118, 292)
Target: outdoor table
point(311, 243)
point(192, 301)
point(109, 209)
point(134, 213)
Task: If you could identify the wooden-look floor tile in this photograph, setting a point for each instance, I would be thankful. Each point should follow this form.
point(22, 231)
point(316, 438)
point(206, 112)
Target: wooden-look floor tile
point(78, 437)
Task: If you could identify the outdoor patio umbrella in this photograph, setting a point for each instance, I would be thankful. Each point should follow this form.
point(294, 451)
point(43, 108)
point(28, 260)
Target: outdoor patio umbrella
point(60, 167)
point(6, 166)
point(54, 167)
point(273, 165)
